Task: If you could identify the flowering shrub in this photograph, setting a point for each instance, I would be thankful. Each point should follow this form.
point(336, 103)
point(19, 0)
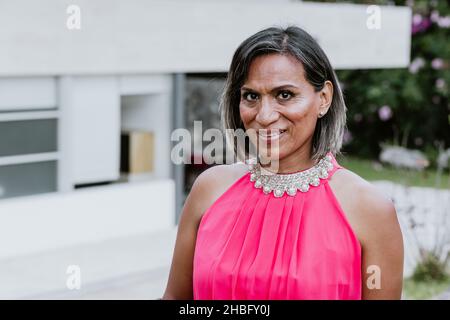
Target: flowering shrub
point(410, 106)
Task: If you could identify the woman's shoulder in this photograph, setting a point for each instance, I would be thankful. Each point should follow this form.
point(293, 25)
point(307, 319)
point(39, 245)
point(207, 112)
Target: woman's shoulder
point(364, 192)
point(369, 208)
point(213, 182)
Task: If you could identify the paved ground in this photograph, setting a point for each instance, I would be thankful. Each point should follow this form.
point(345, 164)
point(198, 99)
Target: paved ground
point(146, 285)
point(135, 267)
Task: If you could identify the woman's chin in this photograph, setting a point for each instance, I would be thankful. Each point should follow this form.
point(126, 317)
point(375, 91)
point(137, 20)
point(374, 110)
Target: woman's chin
point(269, 155)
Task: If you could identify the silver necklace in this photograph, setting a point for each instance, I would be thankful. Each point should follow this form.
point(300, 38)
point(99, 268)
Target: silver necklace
point(291, 182)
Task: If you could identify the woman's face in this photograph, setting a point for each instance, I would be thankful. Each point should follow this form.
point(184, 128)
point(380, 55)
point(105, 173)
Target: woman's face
point(277, 97)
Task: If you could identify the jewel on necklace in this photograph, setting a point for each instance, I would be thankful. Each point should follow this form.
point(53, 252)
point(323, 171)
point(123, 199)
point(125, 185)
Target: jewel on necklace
point(279, 184)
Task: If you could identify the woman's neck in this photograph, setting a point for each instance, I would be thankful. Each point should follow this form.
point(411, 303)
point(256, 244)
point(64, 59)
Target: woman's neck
point(295, 162)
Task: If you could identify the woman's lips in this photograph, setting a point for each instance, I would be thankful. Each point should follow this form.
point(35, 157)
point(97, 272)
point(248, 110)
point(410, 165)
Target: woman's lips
point(270, 135)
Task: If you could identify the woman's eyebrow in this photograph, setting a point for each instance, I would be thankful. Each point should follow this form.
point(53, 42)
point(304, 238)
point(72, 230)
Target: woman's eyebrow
point(285, 86)
point(244, 88)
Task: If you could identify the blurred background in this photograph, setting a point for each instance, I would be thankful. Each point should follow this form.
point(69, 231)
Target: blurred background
point(91, 92)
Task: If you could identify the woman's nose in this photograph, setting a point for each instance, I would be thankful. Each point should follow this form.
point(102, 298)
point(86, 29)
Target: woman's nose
point(266, 113)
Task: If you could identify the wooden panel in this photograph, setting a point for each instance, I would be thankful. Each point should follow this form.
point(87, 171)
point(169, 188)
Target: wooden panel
point(141, 156)
point(137, 152)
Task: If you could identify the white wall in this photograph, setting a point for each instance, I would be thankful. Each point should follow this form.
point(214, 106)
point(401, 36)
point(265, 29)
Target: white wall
point(27, 93)
point(149, 36)
point(92, 128)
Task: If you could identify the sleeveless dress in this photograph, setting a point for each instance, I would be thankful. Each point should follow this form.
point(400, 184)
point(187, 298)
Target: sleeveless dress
point(252, 245)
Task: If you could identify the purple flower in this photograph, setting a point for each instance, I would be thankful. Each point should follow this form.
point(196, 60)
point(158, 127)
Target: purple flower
point(434, 17)
point(416, 65)
point(420, 24)
point(444, 22)
point(385, 113)
point(437, 63)
point(417, 19)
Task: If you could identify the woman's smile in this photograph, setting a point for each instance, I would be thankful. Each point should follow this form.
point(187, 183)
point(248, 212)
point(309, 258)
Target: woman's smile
point(270, 135)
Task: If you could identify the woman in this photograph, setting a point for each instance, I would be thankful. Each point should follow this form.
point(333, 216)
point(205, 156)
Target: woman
point(311, 229)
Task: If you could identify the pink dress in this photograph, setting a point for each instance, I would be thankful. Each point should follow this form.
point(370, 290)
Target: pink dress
point(252, 245)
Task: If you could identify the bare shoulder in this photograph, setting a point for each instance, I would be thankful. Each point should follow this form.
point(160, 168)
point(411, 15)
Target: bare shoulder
point(212, 183)
point(366, 191)
point(367, 207)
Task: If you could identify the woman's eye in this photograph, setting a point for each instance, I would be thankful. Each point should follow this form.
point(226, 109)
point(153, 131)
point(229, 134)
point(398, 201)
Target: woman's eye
point(285, 95)
point(250, 96)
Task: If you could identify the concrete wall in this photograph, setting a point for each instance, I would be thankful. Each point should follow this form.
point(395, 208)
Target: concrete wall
point(147, 36)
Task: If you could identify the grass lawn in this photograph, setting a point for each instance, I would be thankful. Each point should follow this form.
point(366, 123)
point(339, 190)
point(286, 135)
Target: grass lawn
point(413, 290)
point(368, 170)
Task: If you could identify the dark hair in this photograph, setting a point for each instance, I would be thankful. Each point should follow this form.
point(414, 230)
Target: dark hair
point(294, 41)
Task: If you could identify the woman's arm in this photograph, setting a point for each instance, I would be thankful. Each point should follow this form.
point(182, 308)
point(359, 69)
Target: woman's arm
point(208, 186)
point(382, 247)
point(179, 285)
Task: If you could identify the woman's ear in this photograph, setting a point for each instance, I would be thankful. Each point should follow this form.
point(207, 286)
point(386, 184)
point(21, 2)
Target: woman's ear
point(326, 97)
